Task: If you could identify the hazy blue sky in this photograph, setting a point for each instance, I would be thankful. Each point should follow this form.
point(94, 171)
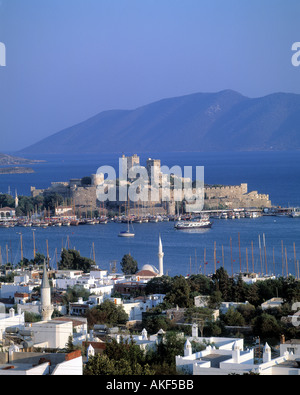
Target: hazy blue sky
point(68, 60)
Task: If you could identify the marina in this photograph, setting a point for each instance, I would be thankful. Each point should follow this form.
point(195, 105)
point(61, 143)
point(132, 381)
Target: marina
point(232, 241)
point(266, 244)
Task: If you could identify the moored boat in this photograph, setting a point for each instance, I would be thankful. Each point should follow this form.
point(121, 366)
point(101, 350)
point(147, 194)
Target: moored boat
point(196, 223)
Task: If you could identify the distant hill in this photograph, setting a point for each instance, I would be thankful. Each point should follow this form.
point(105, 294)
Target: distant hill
point(222, 121)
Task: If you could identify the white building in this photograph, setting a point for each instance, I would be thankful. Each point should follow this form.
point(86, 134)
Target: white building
point(51, 334)
point(273, 303)
point(16, 363)
point(97, 282)
point(144, 341)
point(227, 356)
point(11, 320)
point(135, 308)
point(290, 346)
point(8, 290)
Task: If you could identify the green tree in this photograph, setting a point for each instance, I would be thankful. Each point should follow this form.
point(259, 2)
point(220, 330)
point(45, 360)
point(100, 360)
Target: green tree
point(200, 284)
point(39, 259)
point(6, 200)
point(129, 264)
point(223, 283)
point(233, 318)
point(107, 313)
point(180, 293)
point(25, 206)
point(153, 323)
point(252, 294)
point(215, 300)
point(103, 365)
point(247, 311)
point(200, 315)
point(171, 346)
point(159, 285)
point(266, 326)
point(239, 290)
point(73, 293)
point(51, 200)
point(126, 349)
point(71, 260)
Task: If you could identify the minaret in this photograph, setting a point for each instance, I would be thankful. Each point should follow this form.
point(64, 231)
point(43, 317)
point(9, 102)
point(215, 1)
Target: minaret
point(46, 308)
point(160, 258)
point(16, 200)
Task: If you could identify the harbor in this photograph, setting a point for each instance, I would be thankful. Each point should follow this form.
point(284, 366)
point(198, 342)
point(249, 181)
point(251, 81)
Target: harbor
point(232, 240)
point(266, 245)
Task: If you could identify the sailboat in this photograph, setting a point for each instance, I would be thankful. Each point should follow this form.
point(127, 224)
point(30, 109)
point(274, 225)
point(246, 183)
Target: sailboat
point(126, 233)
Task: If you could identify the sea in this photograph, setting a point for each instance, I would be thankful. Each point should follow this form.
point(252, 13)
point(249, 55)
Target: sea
point(266, 245)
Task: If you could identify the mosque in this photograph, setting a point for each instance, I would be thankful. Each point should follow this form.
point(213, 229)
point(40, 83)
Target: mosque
point(150, 271)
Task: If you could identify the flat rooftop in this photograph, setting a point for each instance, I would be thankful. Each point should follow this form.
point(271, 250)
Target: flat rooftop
point(215, 359)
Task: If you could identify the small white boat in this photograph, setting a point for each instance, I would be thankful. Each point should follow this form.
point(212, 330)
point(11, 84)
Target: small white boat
point(295, 213)
point(126, 233)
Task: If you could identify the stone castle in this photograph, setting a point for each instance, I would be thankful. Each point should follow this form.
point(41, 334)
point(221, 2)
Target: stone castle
point(82, 193)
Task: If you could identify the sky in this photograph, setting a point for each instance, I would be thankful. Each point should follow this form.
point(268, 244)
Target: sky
point(67, 60)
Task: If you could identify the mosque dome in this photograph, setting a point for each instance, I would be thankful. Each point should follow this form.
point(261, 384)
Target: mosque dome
point(151, 268)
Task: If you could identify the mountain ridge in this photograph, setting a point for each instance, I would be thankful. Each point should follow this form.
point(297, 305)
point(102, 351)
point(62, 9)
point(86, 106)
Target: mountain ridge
point(220, 121)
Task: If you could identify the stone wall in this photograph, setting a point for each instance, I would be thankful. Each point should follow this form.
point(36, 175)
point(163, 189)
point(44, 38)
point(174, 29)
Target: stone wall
point(234, 191)
point(234, 197)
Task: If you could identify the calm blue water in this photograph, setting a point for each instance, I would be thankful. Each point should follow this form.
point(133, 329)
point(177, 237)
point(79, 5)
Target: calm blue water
point(184, 251)
point(275, 173)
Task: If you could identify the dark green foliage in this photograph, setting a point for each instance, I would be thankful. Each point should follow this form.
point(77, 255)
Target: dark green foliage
point(107, 313)
point(71, 260)
point(159, 285)
point(73, 293)
point(124, 358)
point(129, 264)
point(179, 295)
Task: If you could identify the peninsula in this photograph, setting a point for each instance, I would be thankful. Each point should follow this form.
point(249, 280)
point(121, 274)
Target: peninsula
point(16, 170)
point(7, 160)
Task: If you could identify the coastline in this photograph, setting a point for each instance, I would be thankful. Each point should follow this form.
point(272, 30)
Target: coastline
point(16, 170)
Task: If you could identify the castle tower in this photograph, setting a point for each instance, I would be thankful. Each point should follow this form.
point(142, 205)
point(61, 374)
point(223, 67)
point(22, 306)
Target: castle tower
point(160, 258)
point(46, 308)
